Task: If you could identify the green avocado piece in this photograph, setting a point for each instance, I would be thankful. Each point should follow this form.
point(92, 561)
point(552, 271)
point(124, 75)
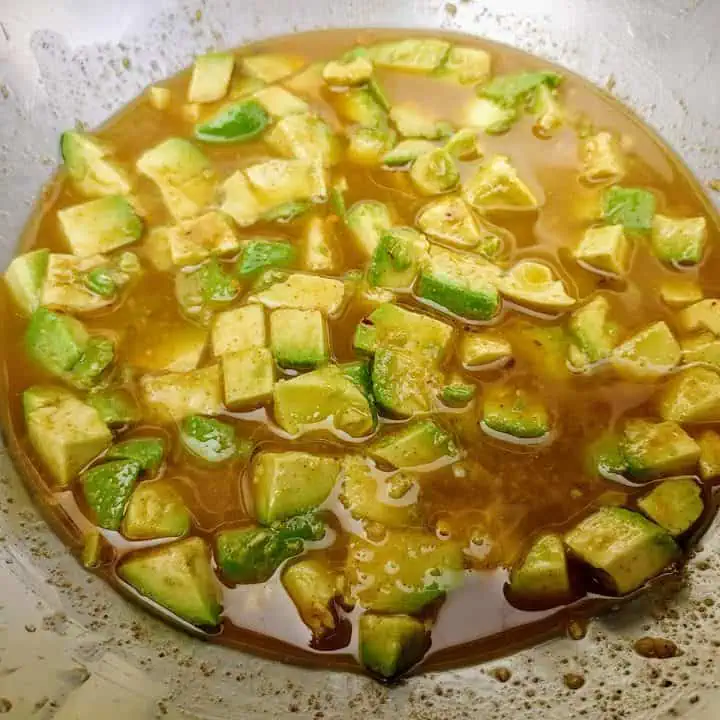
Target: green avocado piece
point(100, 281)
point(391, 644)
point(262, 254)
point(542, 576)
point(201, 291)
point(107, 489)
point(401, 383)
point(367, 221)
point(115, 407)
point(96, 358)
point(624, 548)
point(179, 577)
point(396, 260)
point(25, 278)
point(658, 448)
point(155, 510)
point(458, 394)
point(515, 411)
point(675, 504)
point(56, 342)
point(422, 442)
point(434, 172)
point(86, 161)
point(512, 91)
point(633, 208)
point(692, 396)
point(298, 338)
point(236, 123)
point(207, 438)
point(312, 586)
point(148, 452)
point(411, 54)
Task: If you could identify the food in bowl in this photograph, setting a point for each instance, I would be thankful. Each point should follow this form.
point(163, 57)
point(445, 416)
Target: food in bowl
point(369, 348)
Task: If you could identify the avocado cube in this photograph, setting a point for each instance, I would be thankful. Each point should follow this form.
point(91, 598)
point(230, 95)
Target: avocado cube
point(210, 77)
point(648, 355)
point(464, 144)
point(703, 315)
point(675, 504)
point(66, 284)
point(369, 146)
point(391, 644)
point(396, 260)
point(634, 208)
point(208, 439)
point(709, 442)
point(679, 292)
point(594, 335)
point(312, 586)
point(56, 342)
point(368, 497)
point(116, 407)
point(304, 401)
point(148, 452)
point(703, 348)
point(605, 249)
point(290, 483)
point(483, 348)
point(183, 175)
point(87, 162)
point(348, 71)
point(306, 137)
point(514, 411)
point(406, 152)
point(25, 278)
point(207, 288)
point(156, 249)
point(318, 253)
point(497, 186)
point(402, 383)
point(542, 576)
point(403, 573)
point(173, 396)
point(464, 284)
point(458, 394)
point(280, 103)
point(194, 240)
point(534, 284)
point(248, 377)
point(450, 220)
point(95, 360)
point(360, 107)
point(422, 442)
point(494, 119)
point(107, 489)
point(305, 292)
point(100, 226)
point(544, 348)
point(435, 172)
point(262, 254)
point(663, 448)
point(679, 241)
point(277, 182)
point(467, 66)
point(421, 55)
point(65, 432)
point(155, 510)
point(240, 329)
point(298, 338)
point(692, 396)
point(602, 158)
point(178, 577)
point(271, 67)
point(624, 548)
point(239, 201)
point(411, 122)
point(367, 222)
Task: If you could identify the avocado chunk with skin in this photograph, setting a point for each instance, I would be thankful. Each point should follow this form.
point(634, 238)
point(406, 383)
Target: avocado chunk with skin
point(458, 394)
point(210, 77)
point(367, 221)
point(691, 396)
point(65, 432)
point(535, 285)
point(396, 260)
point(87, 162)
point(304, 136)
point(368, 146)
point(434, 172)
point(298, 338)
point(208, 438)
point(25, 278)
point(56, 342)
point(466, 66)
point(624, 548)
point(422, 442)
point(107, 489)
point(412, 54)
point(391, 644)
point(483, 348)
point(148, 452)
point(412, 122)
point(302, 291)
point(179, 577)
point(239, 329)
point(116, 407)
point(71, 283)
point(675, 504)
point(542, 576)
point(653, 449)
point(406, 151)
point(486, 115)
point(593, 335)
point(173, 396)
point(312, 586)
point(633, 208)
point(290, 483)
point(155, 510)
point(648, 355)
point(496, 185)
point(402, 383)
point(514, 411)
point(205, 289)
point(680, 241)
point(248, 377)
point(262, 254)
point(403, 573)
point(604, 249)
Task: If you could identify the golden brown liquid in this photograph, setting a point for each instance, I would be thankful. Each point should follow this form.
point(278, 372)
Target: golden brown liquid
point(509, 493)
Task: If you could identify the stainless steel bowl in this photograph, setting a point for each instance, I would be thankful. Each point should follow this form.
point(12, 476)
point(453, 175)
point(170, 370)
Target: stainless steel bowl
point(70, 647)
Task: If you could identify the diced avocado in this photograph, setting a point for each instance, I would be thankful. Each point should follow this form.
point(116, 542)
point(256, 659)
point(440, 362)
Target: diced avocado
point(658, 448)
point(675, 504)
point(544, 348)
point(65, 432)
point(422, 442)
point(304, 136)
point(405, 572)
point(411, 122)
point(56, 342)
point(210, 77)
point(159, 97)
point(148, 452)
point(279, 102)
point(497, 186)
point(208, 439)
point(298, 338)
point(25, 278)
point(406, 152)
point(360, 107)
point(602, 159)
point(173, 396)
point(179, 577)
point(155, 510)
point(391, 644)
point(703, 348)
point(369, 145)
point(201, 291)
point(623, 547)
point(467, 66)
point(107, 489)
point(450, 220)
point(542, 576)
point(709, 442)
point(464, 144)
point(239, 201)
point(679, 241)
point(411, 54)
point(605, 249)
point(402, 383)
point(312, 586)
point(287, 212)
point(648, 355)
point(483, 348)
point(692, 396)
point(679, 292)
point(95, 360)
point(462, 283)
point(305, 292)
point(261, 254)
point(434, 172)
point(534, 284)
point(486, 115)
point(397, 257)
point(518, 89)
point(66, 284)
point(703, 315)
point(100, 226)
point(317, 250)
point(116, 407)
point(279, 182)
point(594, 335)
point(242, 86)
point(633, 208)
point(348, 72)
point(328, 393)
point(87, 162)
point(271, 67)
point(367, 221)
point(367, 496)
point(194, 240)
point(458, 394)
point(248, 377)
point(290, 483)
point(391, 326)
point(549, 113)
point(515, 411)
point(239, 329)
point(182, 173)
point(605, 456)
point(156, 249)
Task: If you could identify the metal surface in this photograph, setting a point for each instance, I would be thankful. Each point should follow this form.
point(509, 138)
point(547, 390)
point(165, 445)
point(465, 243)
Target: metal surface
point(70, 648)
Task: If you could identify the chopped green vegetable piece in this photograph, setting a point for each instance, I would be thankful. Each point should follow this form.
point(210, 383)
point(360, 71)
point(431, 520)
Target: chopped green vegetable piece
point(348, 72)
point(406, 152)
point(298, 338)
point(302, 291)
point(514, 411)
point(466, 65)
point(422, 442)
point(107, 489)
point(312, 586)
point(100, 280)
point(633, 208)
point(605, 249)
point(680, 241)
point(304, 136)
point(648, 355)
point(271, 67)
point(397, 257)
point(449, 219)
point(261, 254)
point(464, 144)
point(709, 442)
point(542, 576)
point(658, 448)
point(401, 383)
point(155, 510)
point(486, 115)
point(56, 342)
point(367, 221)
point(360, 106)
point(602, 158)
point(411, 122)
point(148, 452)
point(115, 407)
point(518, 89)
point(369, 145)
point(391, 644)
point(210, 77)
point(411, 54)
point(92, 549)
point(477, 349)
point(248, 377)
point(435, 172)
point(674, 504)
point(594, 335)
point(207, 438)
point(692, 396)
point(87, 162)
point(25, 278)
point(497, 186)
point(458, 394)
point(96, 358)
